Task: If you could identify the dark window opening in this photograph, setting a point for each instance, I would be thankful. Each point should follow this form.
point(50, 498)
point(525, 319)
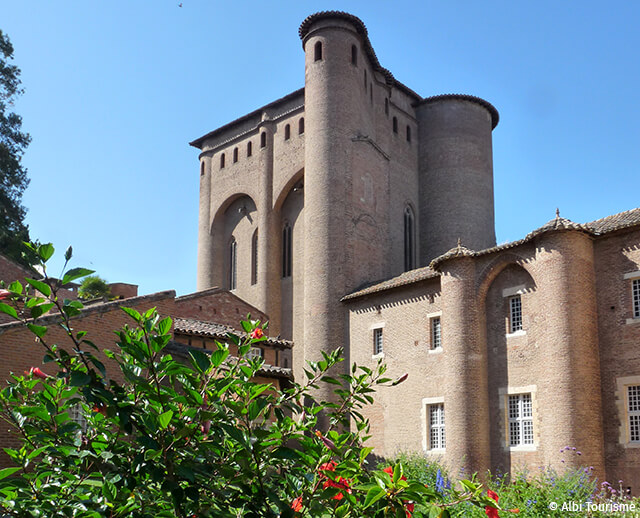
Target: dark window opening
point(287, 132)
point(317, 53)
point(408, 133)
point(395, 125)
point(301, 126)
point(233, 264)
point(286, 251)
point(235, 155)
point(354, 55)
point(409, 240)
point(202, 168)
point(365, 79)
point(263, 139)
point(254, 258)
point(222, 161)
point(249, 145)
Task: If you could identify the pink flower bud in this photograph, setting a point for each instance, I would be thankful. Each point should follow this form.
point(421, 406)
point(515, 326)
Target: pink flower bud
point(5, 294)
point(401, 379)
point(35, 371)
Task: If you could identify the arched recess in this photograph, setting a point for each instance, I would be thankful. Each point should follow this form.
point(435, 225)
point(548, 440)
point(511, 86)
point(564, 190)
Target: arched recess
point(235, 221)
point(295, 182)
point(290, 217)
point(507, 290)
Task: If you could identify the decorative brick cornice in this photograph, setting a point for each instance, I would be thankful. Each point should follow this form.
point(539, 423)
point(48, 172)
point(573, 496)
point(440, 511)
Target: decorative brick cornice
point(495, 116)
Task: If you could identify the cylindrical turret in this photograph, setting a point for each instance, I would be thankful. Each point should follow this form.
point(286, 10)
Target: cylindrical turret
point(333, 87)
point(455, 174)
point(205, 242)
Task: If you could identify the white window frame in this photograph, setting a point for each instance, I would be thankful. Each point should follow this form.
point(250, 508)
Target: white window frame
point(634, 287)
point(255, 352)
point(522, 420)
point(515, 294)
point(504, 394)
point(76, 414)
point(378, 348)
point(429, 407)
point(627, 416)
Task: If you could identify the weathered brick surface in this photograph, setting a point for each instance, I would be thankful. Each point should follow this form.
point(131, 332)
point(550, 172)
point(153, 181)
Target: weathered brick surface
point(216, 305)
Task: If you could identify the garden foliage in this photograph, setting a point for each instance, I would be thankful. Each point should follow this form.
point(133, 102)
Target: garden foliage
point(190, 439)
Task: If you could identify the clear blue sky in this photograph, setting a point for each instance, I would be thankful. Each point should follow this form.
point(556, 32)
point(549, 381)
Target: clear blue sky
point(116, 90)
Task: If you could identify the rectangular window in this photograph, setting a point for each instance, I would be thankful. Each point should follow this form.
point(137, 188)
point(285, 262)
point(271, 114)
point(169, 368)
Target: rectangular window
point(255, 352)
point(76, 414)
point(633, 411)
point(377, 341)
point(436, 427)
point(436, 333)
point(515, 314)
point(520, 420)
point(635, 289)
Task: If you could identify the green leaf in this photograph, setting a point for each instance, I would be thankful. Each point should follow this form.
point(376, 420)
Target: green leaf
point(15, 287)
point(68, 253)
point(109, 491)
point(45, 251)
point(201, 361)
point(164, 326)
point(132, 313)
point(7, 472)
point(79, 379)
point(165, 418)
point(75, 273)
point(42, 287)
point(5, 308)
point(40, 310)
point(217, 357)
point(373, 495)
point(39, 331)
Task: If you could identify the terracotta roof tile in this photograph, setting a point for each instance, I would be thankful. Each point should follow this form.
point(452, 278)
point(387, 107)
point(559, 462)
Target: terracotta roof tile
point(614, 222)
point(192, 326)
point(419, 274)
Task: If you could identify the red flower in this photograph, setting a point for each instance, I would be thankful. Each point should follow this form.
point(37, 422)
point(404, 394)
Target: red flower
point(492, 512)
point(296, 505)
point(409, 508)
point(389, 470)
point(35, 371)
point(328, 466)
point(5, 294)
point(100, 408)
point(257, 333)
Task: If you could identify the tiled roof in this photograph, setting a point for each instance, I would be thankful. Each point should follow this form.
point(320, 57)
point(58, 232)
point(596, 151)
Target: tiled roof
point(191, 326)
point(598, 227)
point(614, 222)
point(419, 274)
point(495, 116)
point(181, 352)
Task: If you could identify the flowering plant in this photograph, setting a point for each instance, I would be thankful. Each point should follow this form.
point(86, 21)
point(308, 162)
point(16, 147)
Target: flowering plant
point(193, 438)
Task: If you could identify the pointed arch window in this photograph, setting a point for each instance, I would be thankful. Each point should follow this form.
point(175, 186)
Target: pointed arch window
point(233, 263)
point(254, 258)
point(409, 240)
point(287, 249)
point(317, 51)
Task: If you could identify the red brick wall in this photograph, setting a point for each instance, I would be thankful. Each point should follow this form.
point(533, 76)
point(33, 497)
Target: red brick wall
point(216, 305)
point(20, 351)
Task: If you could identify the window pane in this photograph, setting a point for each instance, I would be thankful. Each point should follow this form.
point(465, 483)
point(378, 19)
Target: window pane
point(515, 314)
point(636, 298)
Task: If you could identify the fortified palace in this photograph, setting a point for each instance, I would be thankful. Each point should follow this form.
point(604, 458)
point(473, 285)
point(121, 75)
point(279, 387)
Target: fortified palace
point(356, 213)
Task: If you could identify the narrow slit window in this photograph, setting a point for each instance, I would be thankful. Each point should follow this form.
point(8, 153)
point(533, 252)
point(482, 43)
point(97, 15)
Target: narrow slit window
point(235, 155)
point(222, 161)
point(301, 126)
point(254, 258)
point(287, 132)
point(408, 133)
point(436, 333)
point(287, 250)
point(409, 240)
point(249, 146)
point(233, 264)
point(263, 139)
point(395, 125)
point(365, 80)
point(354, 55)
point(202, 168)
point(636, 298)
point(317, 51)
